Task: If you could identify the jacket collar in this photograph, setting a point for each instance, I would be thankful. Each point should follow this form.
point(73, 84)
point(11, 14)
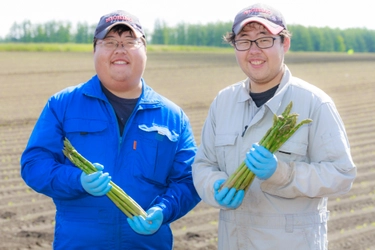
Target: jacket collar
point(243, 95)
point(275, 102)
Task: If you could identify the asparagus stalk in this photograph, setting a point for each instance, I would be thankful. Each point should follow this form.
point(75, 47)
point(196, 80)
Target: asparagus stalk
point(283, 127)
point(123, 201)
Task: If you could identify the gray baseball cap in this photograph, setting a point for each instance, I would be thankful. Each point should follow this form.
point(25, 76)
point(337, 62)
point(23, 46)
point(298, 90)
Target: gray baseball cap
point(112, 19)
point(269, 17)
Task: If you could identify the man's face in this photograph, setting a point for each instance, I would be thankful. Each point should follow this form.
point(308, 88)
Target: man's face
point(264, 67)
point(120, 68)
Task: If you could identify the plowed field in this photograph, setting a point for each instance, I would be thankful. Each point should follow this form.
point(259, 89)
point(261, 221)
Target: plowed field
point(191, 80)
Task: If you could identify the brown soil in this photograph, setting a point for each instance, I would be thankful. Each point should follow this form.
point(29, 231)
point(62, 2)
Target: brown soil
point(192, 81)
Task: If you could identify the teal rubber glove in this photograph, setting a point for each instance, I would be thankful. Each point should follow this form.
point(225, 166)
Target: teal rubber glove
point(228, 198)
point(149, 225)
point(261, 161)
point(96, 184)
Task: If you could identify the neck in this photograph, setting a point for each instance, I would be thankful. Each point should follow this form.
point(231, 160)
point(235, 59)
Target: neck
point(259, 87)
point(125, 92)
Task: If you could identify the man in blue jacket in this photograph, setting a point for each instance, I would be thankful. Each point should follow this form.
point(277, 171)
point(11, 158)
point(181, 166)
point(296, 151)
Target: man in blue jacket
point(142, 140)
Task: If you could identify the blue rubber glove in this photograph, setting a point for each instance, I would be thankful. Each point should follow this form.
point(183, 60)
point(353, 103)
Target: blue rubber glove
point(96, 184)
point(149, 225)
point(261, 161)
point(228, 198)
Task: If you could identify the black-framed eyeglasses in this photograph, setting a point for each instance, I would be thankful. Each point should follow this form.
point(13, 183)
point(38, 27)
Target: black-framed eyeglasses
point(262, 43)
point(112, 44)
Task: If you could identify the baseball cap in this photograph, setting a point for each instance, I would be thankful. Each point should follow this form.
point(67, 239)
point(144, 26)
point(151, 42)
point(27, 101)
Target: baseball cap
point(269, 17)
point(112, 19)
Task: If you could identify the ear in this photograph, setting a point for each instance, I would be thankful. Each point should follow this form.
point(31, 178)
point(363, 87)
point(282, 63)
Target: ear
point(286, 44)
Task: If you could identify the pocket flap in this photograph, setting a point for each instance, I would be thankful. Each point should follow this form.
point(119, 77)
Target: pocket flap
point(223, 140)
point(163, 131)
point(84, 125)
point(294, 147)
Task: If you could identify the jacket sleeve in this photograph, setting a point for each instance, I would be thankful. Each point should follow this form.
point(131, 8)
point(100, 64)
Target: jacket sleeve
point(180, 196)
point(205, 168)
point(42, 162)
point(329, 170)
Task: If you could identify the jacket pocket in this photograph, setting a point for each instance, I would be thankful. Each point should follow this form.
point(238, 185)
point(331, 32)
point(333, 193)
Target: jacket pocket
point(155, 149)
point(226, 150)
point(87, 136)
point(292, 151)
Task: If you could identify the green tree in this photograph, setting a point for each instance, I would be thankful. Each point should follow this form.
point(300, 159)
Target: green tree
point(211, 34)
point(158, 36)
point(328, 40)
point(84, 33)
point(39, 33)
point(181, 34)
point(340, 43)
point(354, 39)
point(301, 39)
point(16, 33)
point(369, 38)
point(63, 33)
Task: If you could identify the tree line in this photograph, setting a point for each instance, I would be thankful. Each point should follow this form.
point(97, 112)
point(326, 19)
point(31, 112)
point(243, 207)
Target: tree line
point(303, 38)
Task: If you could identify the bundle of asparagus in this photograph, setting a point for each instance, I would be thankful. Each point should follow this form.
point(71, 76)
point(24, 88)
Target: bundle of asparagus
point(284, 126)
point(123, 201)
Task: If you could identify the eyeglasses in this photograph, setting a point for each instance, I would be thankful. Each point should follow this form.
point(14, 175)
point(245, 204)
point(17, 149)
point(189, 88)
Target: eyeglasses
point(129, 44)
point(262, 43)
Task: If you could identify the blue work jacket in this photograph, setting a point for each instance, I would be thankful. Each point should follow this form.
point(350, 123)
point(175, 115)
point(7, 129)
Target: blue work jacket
point(151, 162)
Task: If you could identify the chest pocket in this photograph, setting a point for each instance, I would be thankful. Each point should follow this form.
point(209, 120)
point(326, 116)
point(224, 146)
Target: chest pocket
point(226, 151)
point(292, 151)
point(87, 136)
point(155, 151)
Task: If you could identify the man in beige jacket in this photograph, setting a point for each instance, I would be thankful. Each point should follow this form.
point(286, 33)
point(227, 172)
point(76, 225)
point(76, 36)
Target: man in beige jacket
point(286, 205)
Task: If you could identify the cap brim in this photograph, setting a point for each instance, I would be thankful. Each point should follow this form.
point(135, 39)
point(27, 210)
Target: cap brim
point(102, 34)
point(273, 28)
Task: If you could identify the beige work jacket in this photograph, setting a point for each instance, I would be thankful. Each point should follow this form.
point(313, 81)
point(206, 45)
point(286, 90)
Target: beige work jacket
point(288, 210)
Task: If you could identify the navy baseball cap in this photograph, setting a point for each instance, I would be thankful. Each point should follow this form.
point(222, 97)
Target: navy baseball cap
point(108, 21)
point(269, 17)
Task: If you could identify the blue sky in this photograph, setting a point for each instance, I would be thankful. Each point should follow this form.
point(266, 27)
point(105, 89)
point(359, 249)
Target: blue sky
point(332, 13)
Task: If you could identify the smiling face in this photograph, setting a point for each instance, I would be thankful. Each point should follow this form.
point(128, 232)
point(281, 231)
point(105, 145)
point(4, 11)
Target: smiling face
point(120, 69)
point(264, 67)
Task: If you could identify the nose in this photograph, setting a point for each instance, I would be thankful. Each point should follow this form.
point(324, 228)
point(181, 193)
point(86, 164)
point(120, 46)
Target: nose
point(121, 47)
point(253, 47)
